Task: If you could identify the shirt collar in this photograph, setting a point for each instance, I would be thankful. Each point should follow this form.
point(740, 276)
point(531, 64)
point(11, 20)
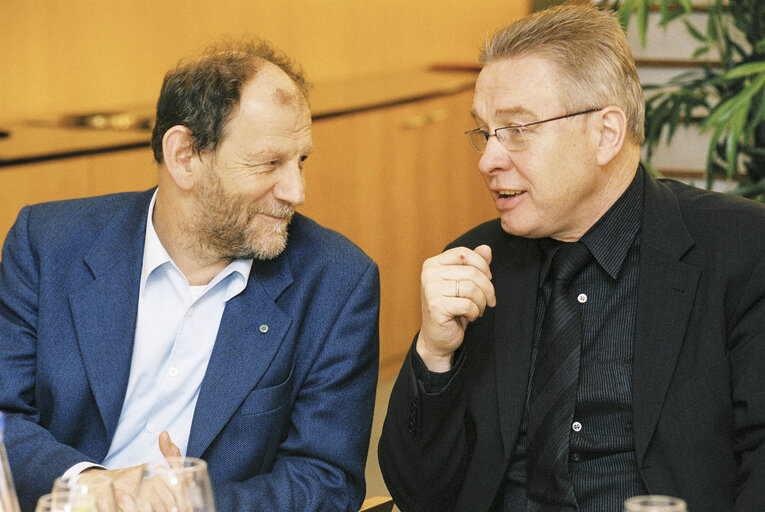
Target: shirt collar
point(155, 256)
point(610, 238)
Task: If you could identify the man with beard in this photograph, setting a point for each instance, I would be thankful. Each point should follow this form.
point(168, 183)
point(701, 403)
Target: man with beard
point(184, 321)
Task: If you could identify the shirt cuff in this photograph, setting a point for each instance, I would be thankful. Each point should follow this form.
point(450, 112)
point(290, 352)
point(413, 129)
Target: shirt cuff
point(79, 468)
point(435, 382)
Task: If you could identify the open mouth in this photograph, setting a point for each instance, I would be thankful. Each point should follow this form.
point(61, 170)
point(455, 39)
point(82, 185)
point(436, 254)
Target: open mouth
point(506, 194)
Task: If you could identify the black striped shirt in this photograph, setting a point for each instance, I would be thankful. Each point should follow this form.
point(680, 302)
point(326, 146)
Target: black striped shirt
point(602, 454)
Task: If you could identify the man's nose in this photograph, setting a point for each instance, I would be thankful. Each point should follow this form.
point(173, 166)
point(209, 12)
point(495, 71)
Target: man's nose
point(291, 185)
point(494, 157)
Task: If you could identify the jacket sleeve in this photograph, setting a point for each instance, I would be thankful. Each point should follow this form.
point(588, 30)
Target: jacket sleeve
point(426, 441)
point(35, 456)
point(747, 350)
point(319, 466)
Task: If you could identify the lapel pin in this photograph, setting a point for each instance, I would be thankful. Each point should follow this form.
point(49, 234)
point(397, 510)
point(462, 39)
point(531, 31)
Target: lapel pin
point(263, 328)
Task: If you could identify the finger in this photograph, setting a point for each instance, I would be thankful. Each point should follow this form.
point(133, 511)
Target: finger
point(467, 290)
point(151, 500)
point(461, 309)
point(460, 256)
point(125, 502)
point(167, 447)
point(172, 453)
point(176, 482)
point(484, 251)
point(126, 483)
point(469, 279)
point(162, 497)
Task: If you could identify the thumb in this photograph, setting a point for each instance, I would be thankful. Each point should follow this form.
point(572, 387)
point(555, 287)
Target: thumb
point(484, 251)
point(167, 447)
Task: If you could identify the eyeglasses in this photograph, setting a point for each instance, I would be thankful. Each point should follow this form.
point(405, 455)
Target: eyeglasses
point(512, 138)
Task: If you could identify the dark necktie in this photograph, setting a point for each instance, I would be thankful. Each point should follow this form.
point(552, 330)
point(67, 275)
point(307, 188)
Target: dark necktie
point(554, 385)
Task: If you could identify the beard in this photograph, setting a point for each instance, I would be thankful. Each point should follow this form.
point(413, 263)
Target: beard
point(231, 226)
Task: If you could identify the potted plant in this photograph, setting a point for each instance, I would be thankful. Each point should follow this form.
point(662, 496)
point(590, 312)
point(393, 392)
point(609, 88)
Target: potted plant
point(727, 100)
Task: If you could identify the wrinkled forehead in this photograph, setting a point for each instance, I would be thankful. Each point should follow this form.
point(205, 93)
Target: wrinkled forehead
point(273, 93)
point(272, 82)
point(517, 85)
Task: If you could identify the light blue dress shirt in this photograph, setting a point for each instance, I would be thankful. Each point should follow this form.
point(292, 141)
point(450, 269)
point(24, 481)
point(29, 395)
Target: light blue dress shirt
point(175, 333)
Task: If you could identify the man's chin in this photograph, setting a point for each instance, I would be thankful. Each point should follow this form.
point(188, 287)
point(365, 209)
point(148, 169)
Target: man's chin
point(266, 249)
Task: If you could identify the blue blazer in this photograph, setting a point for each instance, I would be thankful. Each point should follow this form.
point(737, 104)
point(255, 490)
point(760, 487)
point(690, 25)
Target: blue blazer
point(284, 413)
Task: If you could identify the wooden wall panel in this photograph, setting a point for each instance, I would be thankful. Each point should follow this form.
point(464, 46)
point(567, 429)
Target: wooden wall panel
point(90, 55)
point(400, 183)
point(121, 171)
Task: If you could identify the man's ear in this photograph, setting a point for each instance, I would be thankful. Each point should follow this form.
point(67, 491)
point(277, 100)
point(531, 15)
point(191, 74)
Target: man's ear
point(178, 153)
point(613, 131)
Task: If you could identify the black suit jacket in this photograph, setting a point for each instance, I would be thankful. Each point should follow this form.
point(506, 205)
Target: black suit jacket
point(698, 367)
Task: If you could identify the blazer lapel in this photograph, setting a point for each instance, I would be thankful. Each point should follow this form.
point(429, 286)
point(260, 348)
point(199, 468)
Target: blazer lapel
point(104, 311)
point(516, 284)
point(665, 297)
point(250, 333)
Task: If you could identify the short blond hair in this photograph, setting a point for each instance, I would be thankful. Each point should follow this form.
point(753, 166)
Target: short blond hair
point(589, 49)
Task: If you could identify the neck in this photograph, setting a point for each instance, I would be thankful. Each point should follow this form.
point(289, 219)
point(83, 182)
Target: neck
point(618, 174)
point(171, 218)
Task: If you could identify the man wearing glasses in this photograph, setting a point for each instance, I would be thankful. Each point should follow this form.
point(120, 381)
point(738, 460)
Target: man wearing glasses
point(605, 337)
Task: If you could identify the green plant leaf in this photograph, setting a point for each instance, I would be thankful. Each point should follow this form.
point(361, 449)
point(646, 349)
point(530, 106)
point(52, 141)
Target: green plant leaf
point(742, 70)
point(712, 152)
point(642, 20)
point(624, 13)
point(664, 11)
point(732, 139)
point(752, 190)
point(694, 32)
point(701, 50)
point(723, 112)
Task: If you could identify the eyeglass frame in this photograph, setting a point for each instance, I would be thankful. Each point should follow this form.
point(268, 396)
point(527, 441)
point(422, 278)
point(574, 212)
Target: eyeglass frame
point(519, 127)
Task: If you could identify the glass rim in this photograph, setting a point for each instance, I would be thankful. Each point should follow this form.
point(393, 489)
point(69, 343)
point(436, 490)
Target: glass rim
point(175, 464)
point(654, 500)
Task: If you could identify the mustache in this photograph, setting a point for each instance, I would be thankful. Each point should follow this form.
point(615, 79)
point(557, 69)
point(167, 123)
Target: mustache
point(279, 209)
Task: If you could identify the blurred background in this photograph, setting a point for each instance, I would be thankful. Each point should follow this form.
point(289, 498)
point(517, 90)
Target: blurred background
point(80, 55)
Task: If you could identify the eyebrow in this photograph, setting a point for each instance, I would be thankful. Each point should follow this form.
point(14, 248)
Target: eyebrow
point(520, 110)
point(272, 154)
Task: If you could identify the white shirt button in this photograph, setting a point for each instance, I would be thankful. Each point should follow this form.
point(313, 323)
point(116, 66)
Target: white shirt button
point(173, 371)
point(582, 298)
point(576, 426)
point(151, 427)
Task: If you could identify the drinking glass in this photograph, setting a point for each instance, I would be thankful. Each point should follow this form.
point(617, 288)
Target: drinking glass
point(177, 484)
point(45, 503)
point(89, 492)
point(654, 504)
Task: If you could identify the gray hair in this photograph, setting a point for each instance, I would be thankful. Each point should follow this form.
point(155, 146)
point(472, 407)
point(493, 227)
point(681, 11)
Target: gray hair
point(589, 49)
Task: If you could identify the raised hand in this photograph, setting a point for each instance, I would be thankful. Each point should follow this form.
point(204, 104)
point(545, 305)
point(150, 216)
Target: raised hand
point(455, 289)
